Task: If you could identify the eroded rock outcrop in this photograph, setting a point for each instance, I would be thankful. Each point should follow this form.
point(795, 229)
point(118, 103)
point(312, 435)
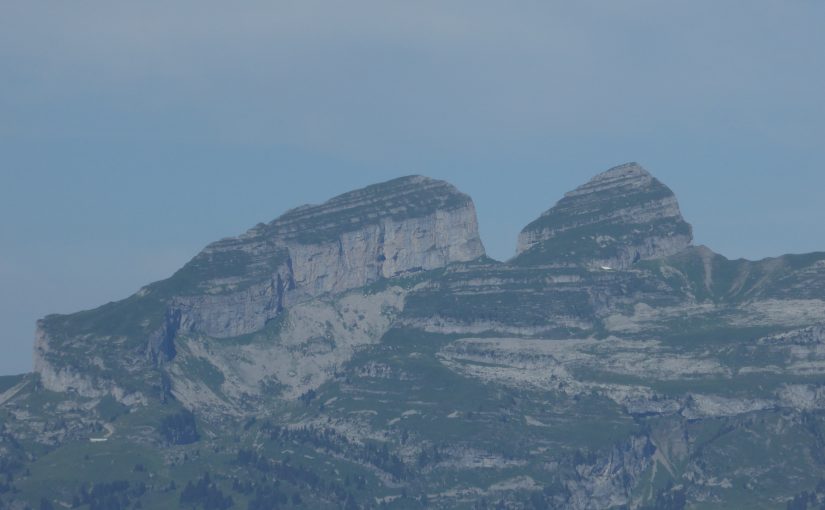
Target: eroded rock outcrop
point(399, 227)
point(236, 285)
point(618, 218)
point(545, 382)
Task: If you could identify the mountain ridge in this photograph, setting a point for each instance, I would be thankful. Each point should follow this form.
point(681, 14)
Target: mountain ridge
point(236, 285)
point(610, 364)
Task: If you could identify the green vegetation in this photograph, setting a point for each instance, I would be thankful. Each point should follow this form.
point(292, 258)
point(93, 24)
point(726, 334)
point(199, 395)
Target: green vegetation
point(734, 281)
point(130, 318)
point(109, 409)
point(599, 242)
point(205, 495)
point(221, 263)
point(649, 387)
point(398, 199)
point(202, 370)
point(591, 208)
point(9, 381)
point(179, 428)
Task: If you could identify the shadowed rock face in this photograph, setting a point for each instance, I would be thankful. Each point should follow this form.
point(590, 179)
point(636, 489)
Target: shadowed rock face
point(618, 218)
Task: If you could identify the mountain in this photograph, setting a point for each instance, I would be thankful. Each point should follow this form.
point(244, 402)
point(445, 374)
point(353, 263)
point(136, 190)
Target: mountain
point(365, 353)
point(618, 218)
point(237, 286)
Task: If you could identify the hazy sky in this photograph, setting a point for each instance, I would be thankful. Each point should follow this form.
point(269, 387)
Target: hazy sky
point(134, 133)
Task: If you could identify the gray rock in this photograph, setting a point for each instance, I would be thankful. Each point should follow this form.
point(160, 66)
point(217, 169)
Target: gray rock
point(398, 228)
point(618, 218)
point(558, 381)
point(236, 285)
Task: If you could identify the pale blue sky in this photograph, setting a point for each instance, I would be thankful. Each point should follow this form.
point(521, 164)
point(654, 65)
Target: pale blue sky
point(134, 133)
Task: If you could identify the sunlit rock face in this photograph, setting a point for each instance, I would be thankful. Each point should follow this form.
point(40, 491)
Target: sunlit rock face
point(610, 364)
point(400, 227)
point(236, 285)
point(619, 217)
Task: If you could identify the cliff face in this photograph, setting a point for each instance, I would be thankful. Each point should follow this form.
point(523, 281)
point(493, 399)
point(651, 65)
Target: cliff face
point(236, 285)
point(403, 226)
point(387, 248)
point(618, 218)
point(549, 381)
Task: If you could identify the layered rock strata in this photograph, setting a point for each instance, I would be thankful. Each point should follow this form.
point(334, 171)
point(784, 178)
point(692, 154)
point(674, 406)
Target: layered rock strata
point(616, 219)
point(236, 285)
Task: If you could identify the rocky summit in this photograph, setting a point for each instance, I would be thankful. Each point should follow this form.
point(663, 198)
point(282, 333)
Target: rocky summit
point(620, 217)
point(365, 353)
point(237, 285)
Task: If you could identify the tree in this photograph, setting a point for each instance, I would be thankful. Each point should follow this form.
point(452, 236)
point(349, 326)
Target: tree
point(180, 428)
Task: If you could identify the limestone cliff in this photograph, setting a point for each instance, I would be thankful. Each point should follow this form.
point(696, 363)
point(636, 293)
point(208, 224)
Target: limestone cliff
point(399, 227)
point(616, 219)
point(548, 381)
point(234, 286)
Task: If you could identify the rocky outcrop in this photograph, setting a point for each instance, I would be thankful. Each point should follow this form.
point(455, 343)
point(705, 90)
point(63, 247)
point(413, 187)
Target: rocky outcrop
point(226, 315)
point(56, 377)
point(385, 249)
point(803, 397)
point(618, 218)
point(608, 482)
point(811, 335)
point(236, 285)
point(545, 381)
point(56, 373)
point(315, 340)
point(387, 230)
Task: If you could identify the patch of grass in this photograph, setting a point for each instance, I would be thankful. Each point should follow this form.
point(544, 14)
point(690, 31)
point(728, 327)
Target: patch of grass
point(110, 409)
point(200, 369)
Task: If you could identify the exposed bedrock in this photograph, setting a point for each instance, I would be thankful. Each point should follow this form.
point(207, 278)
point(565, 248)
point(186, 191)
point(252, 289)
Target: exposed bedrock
point(619, 217)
